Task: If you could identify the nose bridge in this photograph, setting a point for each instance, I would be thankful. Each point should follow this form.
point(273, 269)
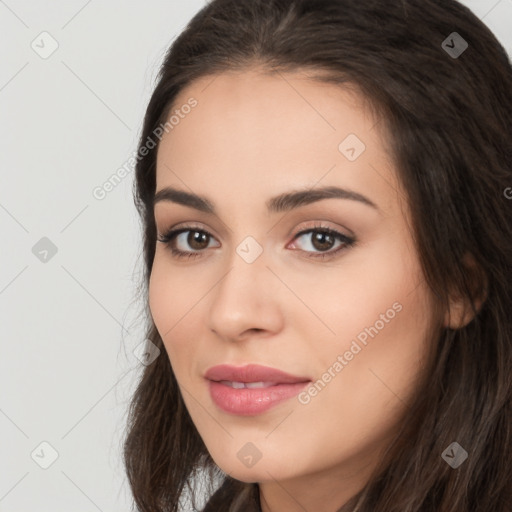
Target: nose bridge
point(244, 297)
point(247, 274)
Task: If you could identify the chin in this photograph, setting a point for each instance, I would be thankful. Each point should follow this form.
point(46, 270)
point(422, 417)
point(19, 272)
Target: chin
point(260, 472)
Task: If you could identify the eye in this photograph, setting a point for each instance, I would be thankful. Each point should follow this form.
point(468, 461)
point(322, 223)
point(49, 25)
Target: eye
point(323, 239)
point(194, 237)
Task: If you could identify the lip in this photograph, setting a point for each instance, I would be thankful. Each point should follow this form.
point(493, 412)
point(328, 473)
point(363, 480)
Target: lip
point(252, 373)
point(279, 386)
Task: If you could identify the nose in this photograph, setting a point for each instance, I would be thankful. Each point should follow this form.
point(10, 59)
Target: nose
point(246, 301)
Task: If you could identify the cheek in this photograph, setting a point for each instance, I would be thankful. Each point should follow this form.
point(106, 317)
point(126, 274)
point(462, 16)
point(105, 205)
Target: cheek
point(173, 298)
point(379, 310)
point(167, 303)
point(345, 298)
point(171, 295)
point(161, 301)
point(359, 401)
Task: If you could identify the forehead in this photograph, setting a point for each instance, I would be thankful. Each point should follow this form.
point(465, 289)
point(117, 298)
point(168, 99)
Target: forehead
point(250, 128)
point(255, 101)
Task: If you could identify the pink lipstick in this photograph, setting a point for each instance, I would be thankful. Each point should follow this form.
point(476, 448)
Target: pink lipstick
point(251, 389)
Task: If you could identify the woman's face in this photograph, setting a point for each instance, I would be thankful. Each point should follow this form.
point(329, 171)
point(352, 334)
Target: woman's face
point(355, 319)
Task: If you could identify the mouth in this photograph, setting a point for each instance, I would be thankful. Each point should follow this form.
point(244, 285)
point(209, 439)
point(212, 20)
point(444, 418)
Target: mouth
point(249, 385)
point(264, 376)
point(252, 389)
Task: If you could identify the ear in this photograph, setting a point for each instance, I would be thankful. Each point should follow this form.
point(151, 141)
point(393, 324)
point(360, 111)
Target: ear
point(460, 312)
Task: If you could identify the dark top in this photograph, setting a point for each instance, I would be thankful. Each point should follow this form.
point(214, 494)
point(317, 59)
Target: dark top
point(234, 496)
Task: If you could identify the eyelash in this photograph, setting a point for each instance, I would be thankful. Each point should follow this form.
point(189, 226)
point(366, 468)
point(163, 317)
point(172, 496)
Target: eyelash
point(168, 237)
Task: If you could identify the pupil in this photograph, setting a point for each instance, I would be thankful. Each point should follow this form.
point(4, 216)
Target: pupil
point(322, 237)
point(197, 238)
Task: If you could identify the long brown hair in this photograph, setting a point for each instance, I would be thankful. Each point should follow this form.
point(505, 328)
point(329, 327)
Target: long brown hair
point(448, 119)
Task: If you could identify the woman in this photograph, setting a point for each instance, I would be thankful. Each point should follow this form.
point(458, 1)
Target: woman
point(325, 193)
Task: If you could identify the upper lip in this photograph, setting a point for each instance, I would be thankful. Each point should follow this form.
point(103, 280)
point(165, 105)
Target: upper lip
point(251, 373)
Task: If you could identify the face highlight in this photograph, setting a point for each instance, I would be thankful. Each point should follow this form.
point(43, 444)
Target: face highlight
point(291, 249)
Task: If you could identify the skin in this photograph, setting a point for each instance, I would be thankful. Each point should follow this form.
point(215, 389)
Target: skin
point(251, 137)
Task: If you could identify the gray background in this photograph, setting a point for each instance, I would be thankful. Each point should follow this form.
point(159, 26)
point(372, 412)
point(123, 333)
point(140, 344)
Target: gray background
point(69, 324)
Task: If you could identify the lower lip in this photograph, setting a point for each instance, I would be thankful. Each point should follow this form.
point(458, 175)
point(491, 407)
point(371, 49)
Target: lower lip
point(249, 402)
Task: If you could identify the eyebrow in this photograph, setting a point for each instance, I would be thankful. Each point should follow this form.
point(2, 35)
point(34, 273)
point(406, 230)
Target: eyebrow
point(281, 203)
